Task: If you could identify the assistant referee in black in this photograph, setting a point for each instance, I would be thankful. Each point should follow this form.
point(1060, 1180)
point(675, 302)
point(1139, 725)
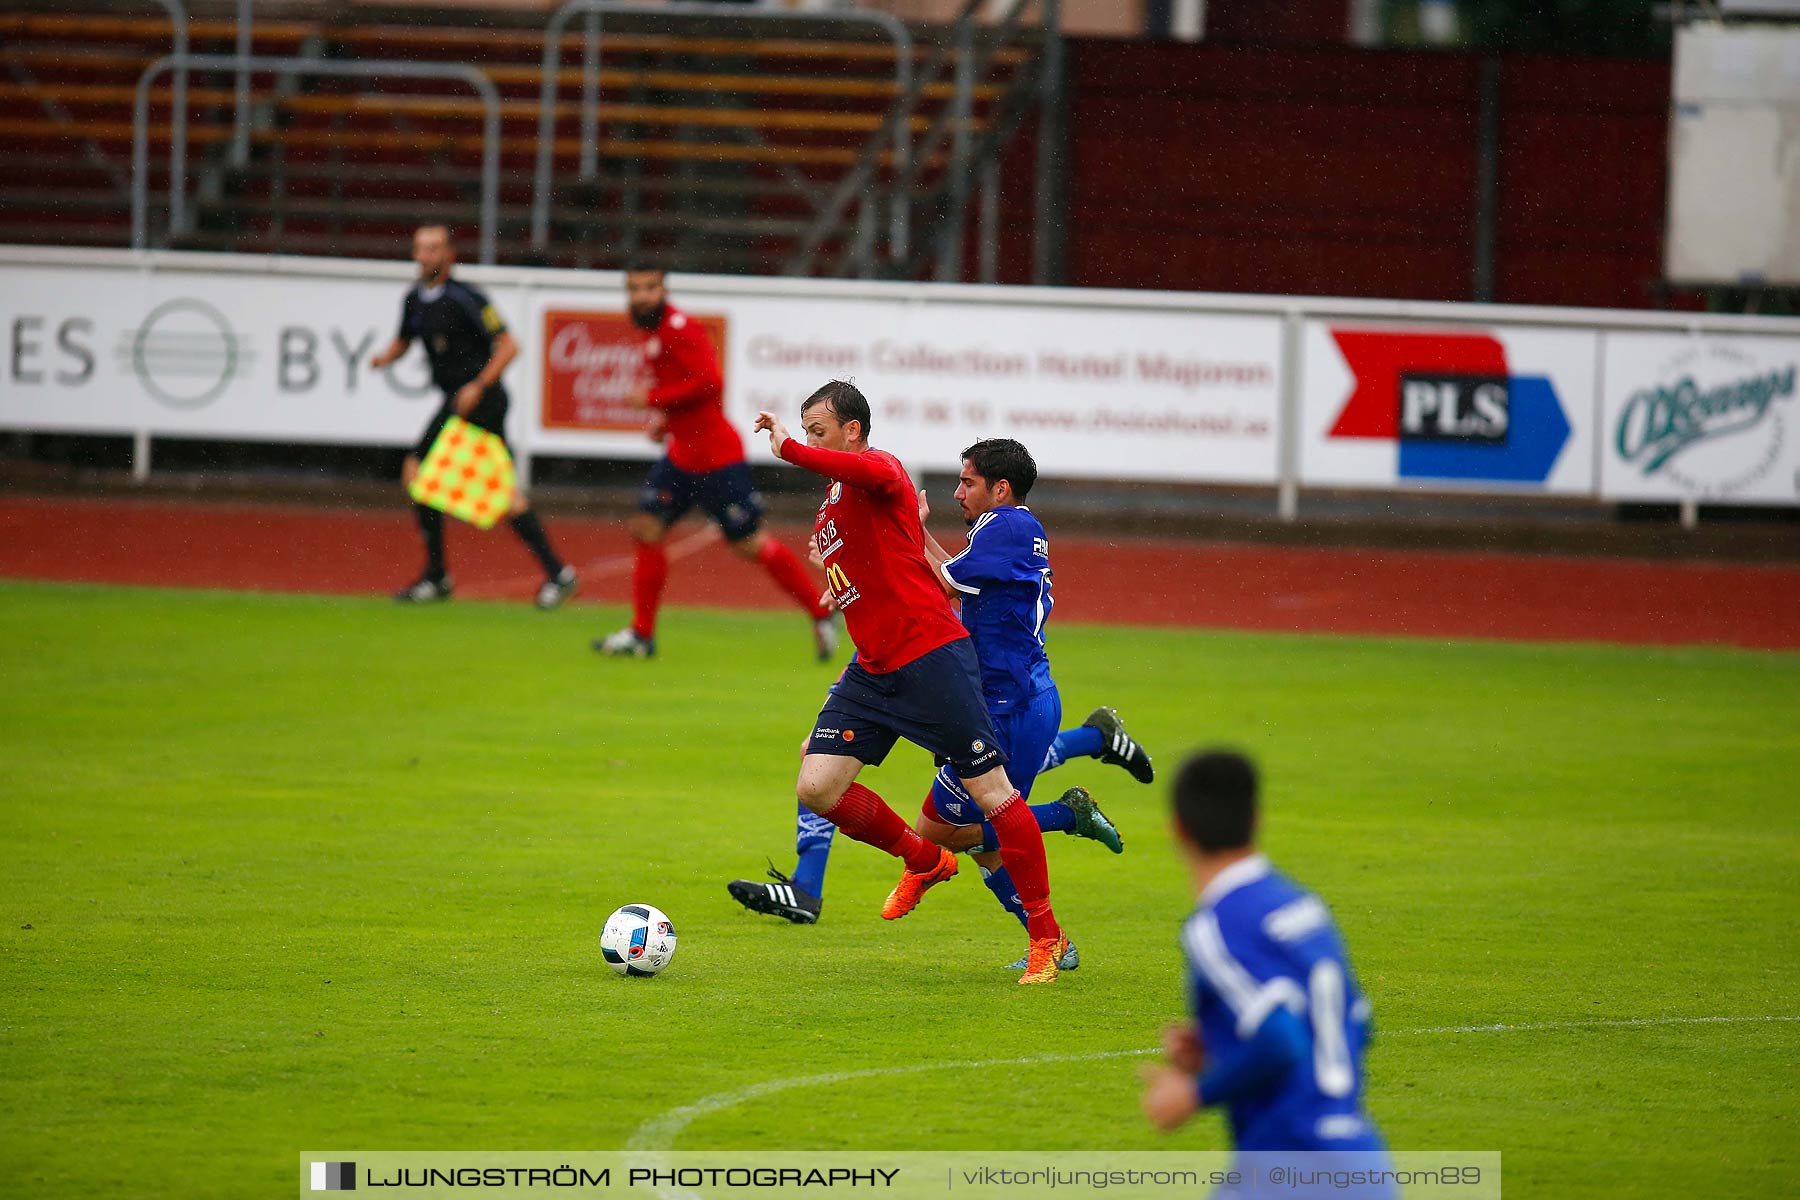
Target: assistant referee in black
point(468, 346)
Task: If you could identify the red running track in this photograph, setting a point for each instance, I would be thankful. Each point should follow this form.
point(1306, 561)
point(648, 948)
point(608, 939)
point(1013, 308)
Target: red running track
point(1127, 581)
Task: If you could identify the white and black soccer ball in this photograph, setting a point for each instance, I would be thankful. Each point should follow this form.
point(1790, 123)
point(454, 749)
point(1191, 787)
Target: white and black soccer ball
point(638, 940)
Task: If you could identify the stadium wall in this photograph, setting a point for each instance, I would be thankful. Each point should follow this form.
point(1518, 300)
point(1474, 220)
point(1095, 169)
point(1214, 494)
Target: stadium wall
point(1263, 391)
point(1332, 170)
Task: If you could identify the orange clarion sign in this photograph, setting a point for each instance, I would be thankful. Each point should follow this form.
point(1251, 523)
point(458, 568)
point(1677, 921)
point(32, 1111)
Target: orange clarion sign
point(592, 363)
point(468, 474)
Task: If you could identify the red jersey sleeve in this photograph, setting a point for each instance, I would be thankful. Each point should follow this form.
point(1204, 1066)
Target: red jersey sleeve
point(870, 472)
point(696, 368)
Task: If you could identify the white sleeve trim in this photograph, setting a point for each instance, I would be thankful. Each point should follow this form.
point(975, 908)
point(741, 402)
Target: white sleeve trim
point(1250, 1000)
point(1277, 993)
point(966, 589)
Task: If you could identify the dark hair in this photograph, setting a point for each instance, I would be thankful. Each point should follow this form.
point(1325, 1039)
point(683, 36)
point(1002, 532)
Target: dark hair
point(995, 459)
point(847, 403)
point(638, 266)
point(1215, 800)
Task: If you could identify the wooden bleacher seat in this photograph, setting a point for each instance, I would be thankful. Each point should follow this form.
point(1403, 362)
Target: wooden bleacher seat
point(715, 135)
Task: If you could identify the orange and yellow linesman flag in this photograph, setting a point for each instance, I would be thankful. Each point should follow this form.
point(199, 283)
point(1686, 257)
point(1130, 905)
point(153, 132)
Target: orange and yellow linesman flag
point(468, 474)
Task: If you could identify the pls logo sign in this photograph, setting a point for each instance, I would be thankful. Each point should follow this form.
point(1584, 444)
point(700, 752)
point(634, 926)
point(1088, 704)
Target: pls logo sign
point(1452, 404)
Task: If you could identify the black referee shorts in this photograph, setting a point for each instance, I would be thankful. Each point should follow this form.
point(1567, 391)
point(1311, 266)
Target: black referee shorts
point(489, 413)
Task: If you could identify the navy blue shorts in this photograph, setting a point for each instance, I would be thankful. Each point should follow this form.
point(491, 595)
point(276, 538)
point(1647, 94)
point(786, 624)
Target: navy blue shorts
point(1025, 732)
point(726, 495)
point(489, 413)
point(933, 702)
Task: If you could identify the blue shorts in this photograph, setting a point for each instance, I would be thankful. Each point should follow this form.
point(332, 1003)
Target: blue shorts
point(726, 495)
point(933, 702)
point(1025, 732)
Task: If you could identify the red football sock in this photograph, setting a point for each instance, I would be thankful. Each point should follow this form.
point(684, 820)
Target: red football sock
point(647, 579)
point(785, 568)
point(1022, 850)
point(867, 818)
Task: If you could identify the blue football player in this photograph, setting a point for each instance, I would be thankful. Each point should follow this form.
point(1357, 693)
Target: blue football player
point(1002, 577)
point(1279, 1024)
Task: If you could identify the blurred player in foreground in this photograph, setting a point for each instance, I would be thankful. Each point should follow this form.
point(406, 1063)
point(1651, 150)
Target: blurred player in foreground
point(1003, 579)
point(914, 675)
point(468, 346)
point(704, 465)
point(1279, 1025)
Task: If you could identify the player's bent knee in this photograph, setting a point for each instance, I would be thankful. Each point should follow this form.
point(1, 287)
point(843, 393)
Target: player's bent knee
point(958, 838)
point(950, 837)
point(990, 789)
point(646, 529)
point(819, 796)
point(748, 546)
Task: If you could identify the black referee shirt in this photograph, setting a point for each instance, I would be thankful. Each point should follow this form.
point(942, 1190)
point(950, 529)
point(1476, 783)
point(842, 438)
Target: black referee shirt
point(458, 327)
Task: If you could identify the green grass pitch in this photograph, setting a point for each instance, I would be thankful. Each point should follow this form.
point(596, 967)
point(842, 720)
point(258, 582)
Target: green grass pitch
point(287, 872)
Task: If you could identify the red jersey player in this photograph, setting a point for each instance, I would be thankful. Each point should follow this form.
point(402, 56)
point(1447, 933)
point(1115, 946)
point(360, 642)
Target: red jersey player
point(704, 465)
point(914, 675)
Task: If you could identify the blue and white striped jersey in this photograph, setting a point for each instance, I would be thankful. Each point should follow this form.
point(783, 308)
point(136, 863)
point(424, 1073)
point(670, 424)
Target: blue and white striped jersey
point(1003, 575)
point(1259, 942)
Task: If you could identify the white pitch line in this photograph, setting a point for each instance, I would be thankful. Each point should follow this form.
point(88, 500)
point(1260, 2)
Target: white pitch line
point(658, 1134)
point(1596, 1023)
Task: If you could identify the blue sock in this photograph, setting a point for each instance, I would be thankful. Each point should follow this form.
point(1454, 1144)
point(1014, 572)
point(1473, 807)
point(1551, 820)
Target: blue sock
point(1083, 741)
point(1001, 884)
point(990, 841)
point(812, 842)
point(1054, 817)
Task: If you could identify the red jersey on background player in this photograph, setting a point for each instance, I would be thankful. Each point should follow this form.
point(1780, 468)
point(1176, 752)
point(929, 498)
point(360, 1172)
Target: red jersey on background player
point(704, 465)
point(914, 676)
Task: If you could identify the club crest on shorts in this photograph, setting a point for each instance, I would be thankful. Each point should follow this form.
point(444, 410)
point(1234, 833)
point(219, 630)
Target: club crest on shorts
point(977, 746)
point(849, 735)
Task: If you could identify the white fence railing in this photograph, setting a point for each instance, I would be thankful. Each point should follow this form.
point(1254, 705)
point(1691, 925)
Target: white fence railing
point(1282, 392)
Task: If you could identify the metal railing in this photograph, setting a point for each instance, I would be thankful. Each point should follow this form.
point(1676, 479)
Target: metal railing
point(361, 69)
point(178, 110)
point(969, 57)
point(590, 89)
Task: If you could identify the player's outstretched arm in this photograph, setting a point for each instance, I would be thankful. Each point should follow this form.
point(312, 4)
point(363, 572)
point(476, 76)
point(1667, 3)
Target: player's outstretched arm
point(935, 554)
point(878, 473)
point(778, 434)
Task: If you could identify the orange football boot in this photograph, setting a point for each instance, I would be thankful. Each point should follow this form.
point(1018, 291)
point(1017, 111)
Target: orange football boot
point(905, 896)
point(1042, 961)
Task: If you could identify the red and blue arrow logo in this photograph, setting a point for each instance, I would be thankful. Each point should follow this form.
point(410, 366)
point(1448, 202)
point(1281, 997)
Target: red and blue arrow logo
point(1452, 404)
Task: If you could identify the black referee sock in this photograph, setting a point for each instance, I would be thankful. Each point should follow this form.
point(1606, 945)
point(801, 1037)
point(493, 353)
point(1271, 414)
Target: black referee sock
point(531, 532)
point(431, 528)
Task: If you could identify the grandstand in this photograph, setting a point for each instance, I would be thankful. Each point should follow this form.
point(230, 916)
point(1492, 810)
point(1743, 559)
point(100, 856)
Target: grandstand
point(722, 142)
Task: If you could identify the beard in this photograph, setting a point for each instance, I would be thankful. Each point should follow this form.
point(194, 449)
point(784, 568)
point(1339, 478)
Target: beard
point(647, 319)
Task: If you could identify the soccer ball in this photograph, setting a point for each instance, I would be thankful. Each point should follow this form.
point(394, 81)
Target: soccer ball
point(638, 940)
